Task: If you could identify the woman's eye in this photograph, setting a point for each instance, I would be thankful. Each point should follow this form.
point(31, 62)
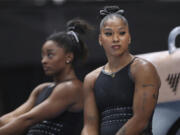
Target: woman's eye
point(108, 33)
point(122, 33)
point(50, 55)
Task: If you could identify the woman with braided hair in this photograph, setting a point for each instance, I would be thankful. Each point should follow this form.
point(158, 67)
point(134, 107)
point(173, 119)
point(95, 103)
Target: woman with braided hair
point(54, 108)
point(120, 96)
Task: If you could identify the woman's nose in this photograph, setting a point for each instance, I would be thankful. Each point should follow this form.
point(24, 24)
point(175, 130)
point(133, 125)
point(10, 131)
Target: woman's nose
point(43, 60)
point(115, 38)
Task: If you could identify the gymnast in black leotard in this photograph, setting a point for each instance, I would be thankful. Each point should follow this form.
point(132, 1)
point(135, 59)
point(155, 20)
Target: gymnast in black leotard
point(120, 96)
point(114, 110)
point(67, 123)
point(54, 108)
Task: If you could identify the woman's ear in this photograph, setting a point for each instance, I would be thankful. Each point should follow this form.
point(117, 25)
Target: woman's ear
point(69, 57)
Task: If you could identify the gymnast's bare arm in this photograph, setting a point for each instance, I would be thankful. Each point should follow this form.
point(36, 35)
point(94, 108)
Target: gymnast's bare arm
point(91, 118)
point(27, 106)
point(147, 84)
point(63, 97)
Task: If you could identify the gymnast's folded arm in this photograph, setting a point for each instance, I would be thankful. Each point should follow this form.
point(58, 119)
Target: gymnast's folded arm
point(25, 116)
point(23, 108)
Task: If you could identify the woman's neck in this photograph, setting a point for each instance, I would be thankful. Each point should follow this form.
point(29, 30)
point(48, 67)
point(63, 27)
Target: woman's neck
point(65, 75)
point(115, 63)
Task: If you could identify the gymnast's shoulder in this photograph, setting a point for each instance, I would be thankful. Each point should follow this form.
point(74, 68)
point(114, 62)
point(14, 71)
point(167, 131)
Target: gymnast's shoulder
point(92, 76)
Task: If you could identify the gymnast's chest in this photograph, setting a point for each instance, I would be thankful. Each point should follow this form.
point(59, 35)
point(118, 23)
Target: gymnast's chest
point(114, 91)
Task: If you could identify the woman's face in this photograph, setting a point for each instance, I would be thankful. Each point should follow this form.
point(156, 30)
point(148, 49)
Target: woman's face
point(114, 37)
point(54, 58)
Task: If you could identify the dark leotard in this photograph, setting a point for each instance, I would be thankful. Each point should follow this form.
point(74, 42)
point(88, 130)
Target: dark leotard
point(67, 123)
point(114, 98)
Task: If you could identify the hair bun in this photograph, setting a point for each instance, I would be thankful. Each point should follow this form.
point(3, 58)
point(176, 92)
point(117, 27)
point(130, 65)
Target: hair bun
point(110, 10)
point(78, 25)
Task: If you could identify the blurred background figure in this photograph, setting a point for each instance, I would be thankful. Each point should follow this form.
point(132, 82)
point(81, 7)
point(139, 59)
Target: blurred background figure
point(54, 107)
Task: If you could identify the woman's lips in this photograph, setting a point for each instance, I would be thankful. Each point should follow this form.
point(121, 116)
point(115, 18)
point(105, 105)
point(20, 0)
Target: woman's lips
point(115, 46)
point(45, 68)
